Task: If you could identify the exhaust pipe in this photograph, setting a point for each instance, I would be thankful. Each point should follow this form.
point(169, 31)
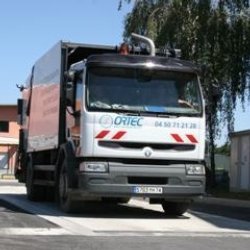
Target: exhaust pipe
point(146, 40)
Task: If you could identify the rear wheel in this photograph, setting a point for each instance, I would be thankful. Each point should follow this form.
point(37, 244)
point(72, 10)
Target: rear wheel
point(175, 208)
point(34, 192)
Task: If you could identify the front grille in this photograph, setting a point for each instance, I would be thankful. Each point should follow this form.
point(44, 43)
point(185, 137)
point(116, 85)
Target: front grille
point(147, 180)
point(141, 145)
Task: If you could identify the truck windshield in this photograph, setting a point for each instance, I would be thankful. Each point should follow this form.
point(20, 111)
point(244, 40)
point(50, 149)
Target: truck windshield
point(143, 90)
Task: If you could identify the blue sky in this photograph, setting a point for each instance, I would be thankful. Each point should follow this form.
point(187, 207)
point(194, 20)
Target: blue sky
point(29, 28)
point(242, 121)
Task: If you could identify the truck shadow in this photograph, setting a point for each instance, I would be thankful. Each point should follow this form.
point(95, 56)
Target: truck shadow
point(20, 204)
point(223, 216)
point(106, 210)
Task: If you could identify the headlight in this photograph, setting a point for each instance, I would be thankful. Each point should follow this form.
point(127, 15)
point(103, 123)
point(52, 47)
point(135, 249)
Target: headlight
point(101, 167)
point(195, 169)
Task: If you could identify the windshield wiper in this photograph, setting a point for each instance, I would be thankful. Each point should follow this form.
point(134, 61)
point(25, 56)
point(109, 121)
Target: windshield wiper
point(101, 105)
point(168, 115)
point(125, 109)
point(115, 110)
point(134, 111)
point(127, 112)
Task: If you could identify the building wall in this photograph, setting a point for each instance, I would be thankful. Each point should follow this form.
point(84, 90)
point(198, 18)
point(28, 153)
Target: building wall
point(8, 113)
point(240, 161)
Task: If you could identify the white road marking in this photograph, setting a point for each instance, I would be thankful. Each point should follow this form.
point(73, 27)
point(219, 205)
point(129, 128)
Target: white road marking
point(33, 231)
point(191, 225)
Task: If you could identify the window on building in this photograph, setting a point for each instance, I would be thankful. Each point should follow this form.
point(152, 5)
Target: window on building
point(4, 126)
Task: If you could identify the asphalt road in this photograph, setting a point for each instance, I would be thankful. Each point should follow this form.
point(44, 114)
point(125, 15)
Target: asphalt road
point(121, 243)
point(28, 225)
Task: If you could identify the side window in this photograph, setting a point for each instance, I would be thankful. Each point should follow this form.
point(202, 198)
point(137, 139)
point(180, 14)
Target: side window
point(4, 127)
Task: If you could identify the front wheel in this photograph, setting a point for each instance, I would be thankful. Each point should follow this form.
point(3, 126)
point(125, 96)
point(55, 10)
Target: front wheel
point(175, 208)
point(64, 198)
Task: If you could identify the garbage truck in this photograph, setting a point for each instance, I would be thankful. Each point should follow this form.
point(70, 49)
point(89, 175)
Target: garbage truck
point(101, 125)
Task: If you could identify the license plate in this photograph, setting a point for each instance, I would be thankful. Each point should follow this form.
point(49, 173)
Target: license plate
point(147, 190)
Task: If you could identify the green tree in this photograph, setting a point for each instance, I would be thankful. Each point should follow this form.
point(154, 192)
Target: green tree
point(223, 150)
point(211, 33)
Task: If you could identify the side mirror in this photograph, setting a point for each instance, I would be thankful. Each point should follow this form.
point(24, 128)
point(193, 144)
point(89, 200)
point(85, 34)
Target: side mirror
point(70, 94)
point(73, 75)
point(73, 78)
point(70, 87)
point(20, 87)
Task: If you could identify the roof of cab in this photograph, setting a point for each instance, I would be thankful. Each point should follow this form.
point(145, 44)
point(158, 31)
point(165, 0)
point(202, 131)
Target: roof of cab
point(165, 63)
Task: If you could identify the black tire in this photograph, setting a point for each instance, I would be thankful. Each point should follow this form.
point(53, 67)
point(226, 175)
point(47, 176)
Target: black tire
point(64, 197)
point(34, 192)
point(175, 208)
point(50, 194)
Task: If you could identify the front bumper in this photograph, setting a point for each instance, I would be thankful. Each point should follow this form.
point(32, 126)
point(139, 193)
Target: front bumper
point(158, 181)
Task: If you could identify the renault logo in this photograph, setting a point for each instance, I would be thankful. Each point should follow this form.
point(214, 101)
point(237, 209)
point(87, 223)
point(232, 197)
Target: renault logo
point(148, 152)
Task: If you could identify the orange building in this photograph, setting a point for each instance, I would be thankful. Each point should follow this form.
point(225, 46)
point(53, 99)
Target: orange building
point(9, 134)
